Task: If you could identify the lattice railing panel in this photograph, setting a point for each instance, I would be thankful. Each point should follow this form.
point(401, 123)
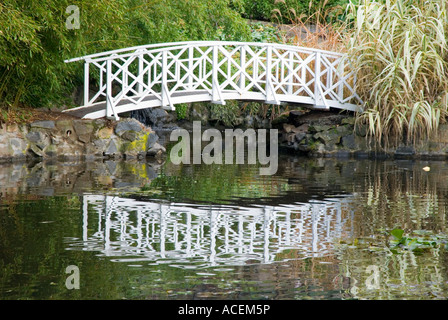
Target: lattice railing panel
point(127, 79)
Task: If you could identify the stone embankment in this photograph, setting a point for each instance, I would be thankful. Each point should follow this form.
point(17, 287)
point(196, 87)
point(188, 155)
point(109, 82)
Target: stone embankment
point(332, 134)
point(78, 140)
point(301, 131)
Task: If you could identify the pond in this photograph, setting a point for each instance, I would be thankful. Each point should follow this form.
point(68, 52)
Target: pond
point(317, 229)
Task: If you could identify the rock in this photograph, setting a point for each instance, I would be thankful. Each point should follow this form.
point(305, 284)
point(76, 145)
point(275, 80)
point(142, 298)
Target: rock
point(328, 137)
point(348, 142)
point(18, 147)
point(35, 136)
point(105, 133)
point(303, 128)
point(37, 151)
point(404, 152)
point(300, 136)
point(151, 140)
point(154, 117)
point(111, 149)
point(344, 130)
point(83, 127)
point(128, 125)
point(77, 139)
point(130, 135)
point(47, 124)
point(288, 127)
point(294, 116)
point(85, 138)
point(100, 143)
point(156, 151)
point(319, 128)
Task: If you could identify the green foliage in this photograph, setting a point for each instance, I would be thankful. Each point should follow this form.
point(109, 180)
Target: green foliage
point(227, 114)
point(34, 40)
point(284, 11)
point(399, 52)
point(264, 32)
point(418, 241)
point(182, 110)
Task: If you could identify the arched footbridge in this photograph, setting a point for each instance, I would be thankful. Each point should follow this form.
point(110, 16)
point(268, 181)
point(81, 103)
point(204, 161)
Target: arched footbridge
point(163, 75)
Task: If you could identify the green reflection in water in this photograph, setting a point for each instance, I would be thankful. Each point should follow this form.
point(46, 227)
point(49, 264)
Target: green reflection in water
point(37, 226)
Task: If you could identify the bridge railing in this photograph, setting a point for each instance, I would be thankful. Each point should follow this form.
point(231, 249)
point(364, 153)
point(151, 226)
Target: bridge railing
point(171, 73)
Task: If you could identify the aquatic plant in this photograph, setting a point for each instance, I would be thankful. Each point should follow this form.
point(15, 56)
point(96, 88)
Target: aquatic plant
point(417, 241)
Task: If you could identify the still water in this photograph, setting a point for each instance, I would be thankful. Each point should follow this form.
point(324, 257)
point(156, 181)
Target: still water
point(317, 229)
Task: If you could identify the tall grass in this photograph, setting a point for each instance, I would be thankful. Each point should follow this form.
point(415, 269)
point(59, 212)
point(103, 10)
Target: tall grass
point(318, 29)
point(399, 50)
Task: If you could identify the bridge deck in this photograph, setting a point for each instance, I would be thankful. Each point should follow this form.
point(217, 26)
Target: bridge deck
point(100, 107)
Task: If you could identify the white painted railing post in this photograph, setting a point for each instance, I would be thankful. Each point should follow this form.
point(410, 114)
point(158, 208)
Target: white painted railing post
point(164, 79)
point(190, 67)
point(268, 74)
point(140, 74)
point(242, 81)
point(290, 76)
point(166, 101)
point(109, 97)
point(269, 87)
point(216, 91)
point(125, 81)
point(340, 76)
point(86, 83)
point(317, 97)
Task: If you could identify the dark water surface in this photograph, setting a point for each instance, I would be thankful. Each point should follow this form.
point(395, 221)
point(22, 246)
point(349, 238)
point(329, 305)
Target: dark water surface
point(318, 229)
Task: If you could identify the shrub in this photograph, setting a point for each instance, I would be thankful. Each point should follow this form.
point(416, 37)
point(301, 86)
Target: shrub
point(284, 11)
point(399, 51)
point(34, 40)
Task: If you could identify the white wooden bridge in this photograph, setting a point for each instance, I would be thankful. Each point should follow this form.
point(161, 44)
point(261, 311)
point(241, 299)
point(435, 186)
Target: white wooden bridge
point(163, 75)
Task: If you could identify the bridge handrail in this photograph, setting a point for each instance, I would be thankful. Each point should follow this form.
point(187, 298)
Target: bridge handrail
point(112, 54)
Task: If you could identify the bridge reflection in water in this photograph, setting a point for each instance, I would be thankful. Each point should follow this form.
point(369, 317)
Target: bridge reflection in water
point(189, 236)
